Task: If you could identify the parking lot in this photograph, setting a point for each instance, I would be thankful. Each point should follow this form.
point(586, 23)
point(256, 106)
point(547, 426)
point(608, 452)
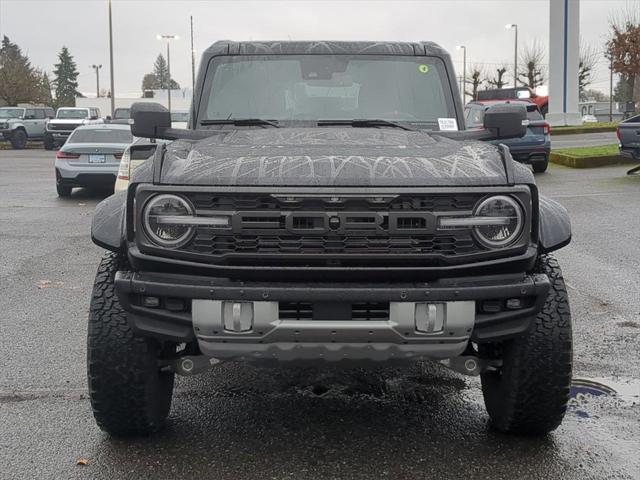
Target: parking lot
point(239, 421)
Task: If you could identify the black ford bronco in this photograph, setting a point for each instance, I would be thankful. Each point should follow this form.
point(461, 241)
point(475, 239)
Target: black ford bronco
point(326, 204)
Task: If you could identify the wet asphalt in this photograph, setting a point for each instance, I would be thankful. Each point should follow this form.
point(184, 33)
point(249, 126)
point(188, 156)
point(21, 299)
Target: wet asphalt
point(411, 421)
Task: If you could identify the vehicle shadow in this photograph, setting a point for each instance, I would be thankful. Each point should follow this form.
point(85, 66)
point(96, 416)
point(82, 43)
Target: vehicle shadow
point(387, 422)
point(98, 194)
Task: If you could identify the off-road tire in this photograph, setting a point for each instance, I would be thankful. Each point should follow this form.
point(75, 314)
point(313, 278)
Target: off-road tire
point(529, 393)
point(19, 139)
point(540, 166)
point(63, 191)
point(48, 143)
point(129, 393)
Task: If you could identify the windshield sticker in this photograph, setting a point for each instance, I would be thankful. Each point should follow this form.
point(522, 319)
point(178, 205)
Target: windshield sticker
point(448, 124)
point(423, 68)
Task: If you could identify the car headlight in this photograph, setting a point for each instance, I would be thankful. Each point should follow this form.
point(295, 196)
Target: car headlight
point(162, 220)
point(503, 221)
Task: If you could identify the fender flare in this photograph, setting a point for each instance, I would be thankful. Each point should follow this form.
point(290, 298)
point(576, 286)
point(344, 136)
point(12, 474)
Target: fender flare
point(554, 230)
point(108, 227)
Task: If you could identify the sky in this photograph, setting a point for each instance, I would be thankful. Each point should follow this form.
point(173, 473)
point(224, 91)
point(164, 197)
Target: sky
point(42, 27)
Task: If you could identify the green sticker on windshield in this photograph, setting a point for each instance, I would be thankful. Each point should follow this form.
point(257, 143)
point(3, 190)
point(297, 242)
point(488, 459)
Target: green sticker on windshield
point(423, 68)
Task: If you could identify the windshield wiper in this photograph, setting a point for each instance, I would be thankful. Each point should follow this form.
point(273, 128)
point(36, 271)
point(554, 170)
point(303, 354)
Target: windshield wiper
point(241, 122)
point(364, 123)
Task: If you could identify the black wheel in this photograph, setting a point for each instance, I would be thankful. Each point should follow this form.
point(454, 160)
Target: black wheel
point(129, 393)
point(19, 139)
point(540, 166)
point(48, 142)
point(529, 393)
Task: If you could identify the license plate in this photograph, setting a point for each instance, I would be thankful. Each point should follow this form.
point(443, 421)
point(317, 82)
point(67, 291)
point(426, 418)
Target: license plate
point(97, 159)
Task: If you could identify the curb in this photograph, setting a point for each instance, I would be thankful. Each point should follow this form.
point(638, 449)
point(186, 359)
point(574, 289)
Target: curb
point(580, 130)
point(588, 162)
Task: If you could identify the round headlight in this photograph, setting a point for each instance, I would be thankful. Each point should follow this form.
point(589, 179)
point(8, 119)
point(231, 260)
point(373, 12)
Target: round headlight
point(504, 221)
point(161, 220)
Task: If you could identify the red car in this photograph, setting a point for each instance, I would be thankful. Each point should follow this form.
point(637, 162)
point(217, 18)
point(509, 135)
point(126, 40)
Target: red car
point(519, 93)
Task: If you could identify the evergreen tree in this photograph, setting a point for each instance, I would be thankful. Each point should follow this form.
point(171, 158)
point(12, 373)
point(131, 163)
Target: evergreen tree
point(19, 81)
point(66, 80)
point(44, 90)
point(161, 74)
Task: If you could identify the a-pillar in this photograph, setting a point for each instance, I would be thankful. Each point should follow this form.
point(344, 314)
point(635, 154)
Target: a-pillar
point(564, 57)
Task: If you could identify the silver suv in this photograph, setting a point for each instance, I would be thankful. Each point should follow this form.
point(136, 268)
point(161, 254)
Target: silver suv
point(66, 121)
point(19, 124)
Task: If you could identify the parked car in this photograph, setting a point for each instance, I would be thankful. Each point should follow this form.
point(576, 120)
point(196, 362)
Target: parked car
point(66, 121)
point(628, 133)
point(132, 157)
point(121, 115)
point(90, 157)
point(327, 204)
point(179, 118)
point(20, 124)
point(519, 93)
point(533, 148)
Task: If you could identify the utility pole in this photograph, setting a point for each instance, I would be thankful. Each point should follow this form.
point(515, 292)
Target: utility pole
point(515, 54)
point(193, 62)
point(610, 87)
point(168, 38)
point(97, 69)
point(113, 92)
point(464, 72)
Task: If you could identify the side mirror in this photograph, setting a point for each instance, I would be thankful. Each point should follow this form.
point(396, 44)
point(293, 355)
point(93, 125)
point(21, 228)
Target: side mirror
point(147, 119)
point(506, 121)
point(108, 118)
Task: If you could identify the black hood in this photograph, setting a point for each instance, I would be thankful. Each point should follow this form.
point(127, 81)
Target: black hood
point(331, 157)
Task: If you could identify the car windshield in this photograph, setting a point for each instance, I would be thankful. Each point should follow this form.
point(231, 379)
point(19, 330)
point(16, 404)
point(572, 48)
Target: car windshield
point(11, 112)
point(68, 113)
point(328, 87)
point(121, 113)
point(101, 135)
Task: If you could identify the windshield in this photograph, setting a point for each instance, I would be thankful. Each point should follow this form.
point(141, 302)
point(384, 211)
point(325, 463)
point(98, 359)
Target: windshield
point(323, 87)
point(68, 113)
point(121, 113)
point(11, 112)
point(101, 135)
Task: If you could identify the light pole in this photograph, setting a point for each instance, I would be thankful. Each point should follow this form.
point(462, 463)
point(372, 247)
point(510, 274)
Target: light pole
point(515, 55)
point(464, 72)
point(97, 69)
point(168, 38)
point(193, 62)
point(113, 91)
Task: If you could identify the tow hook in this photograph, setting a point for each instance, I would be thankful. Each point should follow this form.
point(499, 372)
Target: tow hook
point(470, 365)
point(192, 364)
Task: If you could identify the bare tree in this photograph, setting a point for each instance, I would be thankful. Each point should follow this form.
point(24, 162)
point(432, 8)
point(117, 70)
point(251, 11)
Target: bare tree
point(624, 48)
point(532, 59)
point(475, 81)
point(498, 81)
point(587, 62)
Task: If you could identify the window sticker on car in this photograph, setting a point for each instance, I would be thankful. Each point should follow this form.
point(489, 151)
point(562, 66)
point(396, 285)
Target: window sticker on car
point(423, 68)
point(448, 124)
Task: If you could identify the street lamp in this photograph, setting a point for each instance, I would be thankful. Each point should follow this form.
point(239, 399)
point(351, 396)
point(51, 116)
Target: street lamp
point(464, 72)
point(515, 55)
point(168, 38)
point(97, 69)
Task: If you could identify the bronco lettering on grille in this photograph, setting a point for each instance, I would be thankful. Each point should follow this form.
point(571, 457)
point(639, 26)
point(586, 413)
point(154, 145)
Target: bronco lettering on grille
point(327, 223)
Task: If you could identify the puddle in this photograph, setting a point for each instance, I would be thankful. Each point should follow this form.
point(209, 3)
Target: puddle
point(625, 392)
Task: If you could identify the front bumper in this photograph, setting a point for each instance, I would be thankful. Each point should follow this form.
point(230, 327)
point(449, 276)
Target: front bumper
point(247, 320)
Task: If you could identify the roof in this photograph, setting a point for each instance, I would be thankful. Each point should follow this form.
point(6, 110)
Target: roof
point(227, 47)
point(105, 126)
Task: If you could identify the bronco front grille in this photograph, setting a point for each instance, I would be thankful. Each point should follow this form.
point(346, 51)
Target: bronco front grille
point(267, 226)
point(66, 127)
